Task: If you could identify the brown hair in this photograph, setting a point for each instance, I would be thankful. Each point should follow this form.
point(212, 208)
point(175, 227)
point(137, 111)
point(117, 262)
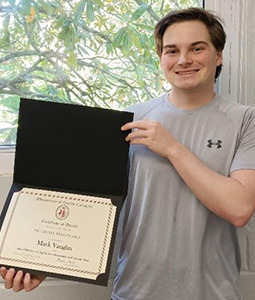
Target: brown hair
point(211, 21)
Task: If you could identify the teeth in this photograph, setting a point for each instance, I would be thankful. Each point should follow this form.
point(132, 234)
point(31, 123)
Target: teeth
point(186, 72)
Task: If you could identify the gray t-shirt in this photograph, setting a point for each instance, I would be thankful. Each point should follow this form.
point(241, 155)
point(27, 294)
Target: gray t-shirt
point(173, 247)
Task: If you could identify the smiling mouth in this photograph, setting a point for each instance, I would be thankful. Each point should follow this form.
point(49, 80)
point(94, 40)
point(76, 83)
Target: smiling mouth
point(187, 72)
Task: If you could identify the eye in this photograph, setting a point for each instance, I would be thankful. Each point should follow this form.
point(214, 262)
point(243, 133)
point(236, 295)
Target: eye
point(198, 49)
point(170, 51)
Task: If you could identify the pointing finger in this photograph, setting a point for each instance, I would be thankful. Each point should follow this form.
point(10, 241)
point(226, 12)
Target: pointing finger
point(135, 124)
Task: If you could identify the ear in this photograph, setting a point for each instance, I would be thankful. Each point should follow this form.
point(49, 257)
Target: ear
point(219, 58)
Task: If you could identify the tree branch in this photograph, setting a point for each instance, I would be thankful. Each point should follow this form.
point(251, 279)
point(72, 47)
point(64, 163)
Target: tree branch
point(150, 10)
point(94, 32)
point(20, 54)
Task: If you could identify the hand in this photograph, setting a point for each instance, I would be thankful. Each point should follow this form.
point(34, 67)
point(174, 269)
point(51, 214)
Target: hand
point(19, 281)
point(151, 134)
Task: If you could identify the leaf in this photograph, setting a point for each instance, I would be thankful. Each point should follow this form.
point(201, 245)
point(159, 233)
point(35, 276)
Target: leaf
point(118, 39)
point(183, 2)
point(59, 11)
point(51, 89)
point(24, 6)
point(140, 11)
point(82, 50)
point(124, 46)
point(12, 2)
point(121, 95)
point(90, 12)
point(8, 136)
point(48, 8)
point(72, 60)
point(6, 21)
point(43, 63)
point(31, 16)
point(79, 9)
point(5, 40)
point(99, 3)
point(67, 34)
point(11, 102)
point(145, 26)
point(140, 77)
point(108, 48)
point(134, 37)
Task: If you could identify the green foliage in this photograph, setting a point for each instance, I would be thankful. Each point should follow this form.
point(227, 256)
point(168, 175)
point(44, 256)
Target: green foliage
point(139, 11)
point(12, 102)
point(79, 9)
point(91, 52)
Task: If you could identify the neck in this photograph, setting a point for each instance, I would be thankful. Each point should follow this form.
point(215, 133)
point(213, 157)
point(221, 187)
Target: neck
point(190, 99)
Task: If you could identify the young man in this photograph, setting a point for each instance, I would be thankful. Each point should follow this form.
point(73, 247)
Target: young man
point(191, 176)
point(191, 181)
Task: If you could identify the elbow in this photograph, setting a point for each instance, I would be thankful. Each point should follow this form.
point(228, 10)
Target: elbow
point(240, 222)
point(242, 218)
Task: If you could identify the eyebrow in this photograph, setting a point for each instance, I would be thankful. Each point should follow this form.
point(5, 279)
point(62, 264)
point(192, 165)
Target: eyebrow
point(192, 44)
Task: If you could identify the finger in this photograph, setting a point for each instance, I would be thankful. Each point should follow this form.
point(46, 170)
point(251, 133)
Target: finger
point(27, 282)
point(18, 282)
point(8, 281)
point(3, 272)
point(31, 283)
point(135, 124)
point(136, 135)
point(139, 141)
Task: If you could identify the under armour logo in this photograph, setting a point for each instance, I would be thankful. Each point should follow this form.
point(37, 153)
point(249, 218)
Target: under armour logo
point(211, 143)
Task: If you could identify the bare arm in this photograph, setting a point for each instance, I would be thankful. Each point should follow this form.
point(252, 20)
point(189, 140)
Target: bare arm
point(232, 198)
point(19, 281)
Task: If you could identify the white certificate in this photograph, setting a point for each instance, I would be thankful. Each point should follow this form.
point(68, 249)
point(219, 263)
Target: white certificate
point(56, 232)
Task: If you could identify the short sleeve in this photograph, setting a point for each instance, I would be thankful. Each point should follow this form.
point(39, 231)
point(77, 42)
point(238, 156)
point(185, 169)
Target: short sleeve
point(245, 154)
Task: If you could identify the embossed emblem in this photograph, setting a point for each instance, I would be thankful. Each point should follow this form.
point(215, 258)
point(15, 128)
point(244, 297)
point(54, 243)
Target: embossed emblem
point(62, 212)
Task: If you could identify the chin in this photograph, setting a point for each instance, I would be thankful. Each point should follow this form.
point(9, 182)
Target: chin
point(187, 87)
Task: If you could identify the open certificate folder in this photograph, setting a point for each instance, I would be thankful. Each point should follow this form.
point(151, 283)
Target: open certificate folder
point(61, 214)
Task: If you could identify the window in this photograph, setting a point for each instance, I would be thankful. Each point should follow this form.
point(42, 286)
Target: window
point(89, 52)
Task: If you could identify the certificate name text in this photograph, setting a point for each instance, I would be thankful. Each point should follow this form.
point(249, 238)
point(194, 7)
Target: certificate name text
point(54, 245)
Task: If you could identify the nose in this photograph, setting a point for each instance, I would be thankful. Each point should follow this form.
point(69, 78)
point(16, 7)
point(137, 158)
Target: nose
point(184, 58)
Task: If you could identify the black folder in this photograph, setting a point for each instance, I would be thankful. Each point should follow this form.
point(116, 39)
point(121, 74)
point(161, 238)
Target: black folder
point(74, 149)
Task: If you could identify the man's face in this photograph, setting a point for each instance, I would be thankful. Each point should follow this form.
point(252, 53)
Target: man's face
point(189, 59)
